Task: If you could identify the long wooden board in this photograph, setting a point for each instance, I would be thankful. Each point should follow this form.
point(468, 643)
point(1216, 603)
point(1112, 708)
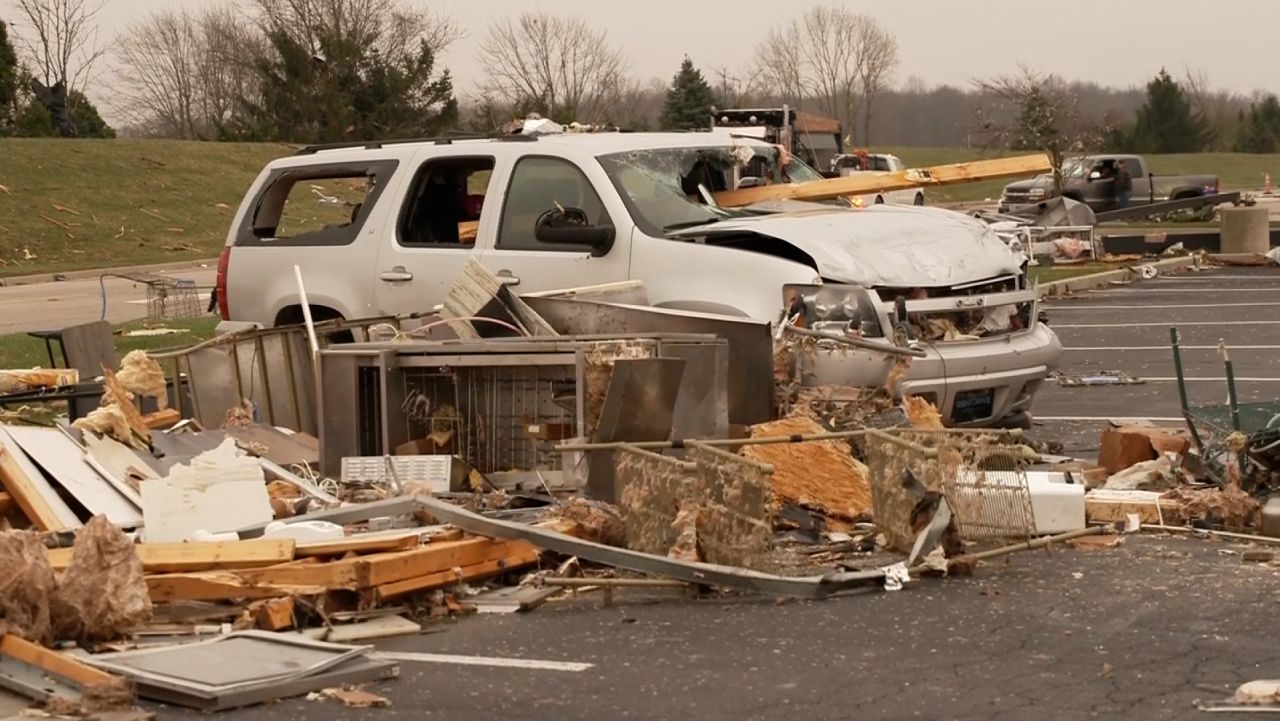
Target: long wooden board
point(867, 183)
point(362, 543)
point(187, 557)
point(31, 490)
point(492, 567)
point(56, 664)
point(383, 568)
point(216, 586)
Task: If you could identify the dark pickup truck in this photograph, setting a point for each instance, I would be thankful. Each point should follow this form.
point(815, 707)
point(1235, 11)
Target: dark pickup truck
point(1091, 179)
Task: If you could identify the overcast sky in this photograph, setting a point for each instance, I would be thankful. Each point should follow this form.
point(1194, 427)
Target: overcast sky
point(1112, 42)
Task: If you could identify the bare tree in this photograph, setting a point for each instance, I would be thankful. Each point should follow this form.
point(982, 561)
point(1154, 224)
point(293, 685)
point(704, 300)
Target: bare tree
point(831, 38)
point(1219, 107)
point(781, 64)
point(1041, 112)
point(878, 58)
point(557, 63)
point(60, 38)
point(181, 74)
point(735, 90)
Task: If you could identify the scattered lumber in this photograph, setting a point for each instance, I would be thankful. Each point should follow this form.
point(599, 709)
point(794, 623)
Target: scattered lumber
point(867, 183)
point(206, 556)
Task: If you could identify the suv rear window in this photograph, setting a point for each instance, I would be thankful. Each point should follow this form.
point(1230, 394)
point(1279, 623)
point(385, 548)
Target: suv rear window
point(315, 205)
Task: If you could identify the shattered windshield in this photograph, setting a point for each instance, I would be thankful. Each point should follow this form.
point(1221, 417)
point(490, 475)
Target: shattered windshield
point(671, 188)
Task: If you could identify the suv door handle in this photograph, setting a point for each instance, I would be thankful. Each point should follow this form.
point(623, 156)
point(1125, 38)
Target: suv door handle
point(396, 275)
point(506, 278)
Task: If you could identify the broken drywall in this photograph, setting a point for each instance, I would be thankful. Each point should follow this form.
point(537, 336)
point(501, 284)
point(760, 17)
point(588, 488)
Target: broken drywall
point(219, 490)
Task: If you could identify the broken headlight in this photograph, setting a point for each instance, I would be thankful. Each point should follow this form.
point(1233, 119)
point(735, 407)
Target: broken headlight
point(831, 308)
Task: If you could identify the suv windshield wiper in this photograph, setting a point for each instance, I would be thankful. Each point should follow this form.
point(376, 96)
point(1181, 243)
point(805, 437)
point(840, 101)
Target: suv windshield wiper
point(689, 224)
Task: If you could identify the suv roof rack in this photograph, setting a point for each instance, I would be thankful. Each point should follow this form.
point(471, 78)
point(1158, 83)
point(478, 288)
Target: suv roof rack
point(438, 140)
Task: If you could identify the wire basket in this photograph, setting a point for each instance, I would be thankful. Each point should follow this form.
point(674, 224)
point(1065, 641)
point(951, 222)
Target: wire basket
point(174, 299)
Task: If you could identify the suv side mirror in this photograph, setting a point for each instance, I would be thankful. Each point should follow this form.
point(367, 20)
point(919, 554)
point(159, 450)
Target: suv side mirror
point(570, 226)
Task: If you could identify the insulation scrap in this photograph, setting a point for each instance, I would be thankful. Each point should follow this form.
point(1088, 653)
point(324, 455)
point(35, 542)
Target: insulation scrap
point(109, 421)
point(1229, 506)
point(351, 698)
point(1164, 472)
point(141, 375)
point(922, 413)
point(13, 381)
point(239, 416)
point(102, 595)
point(26, 582)
point(600, 521)
point(685, 525)
point(819, 475)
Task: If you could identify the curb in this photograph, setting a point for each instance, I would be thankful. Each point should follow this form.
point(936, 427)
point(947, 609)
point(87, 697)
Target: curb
point(49, 277)
point(1067, 286)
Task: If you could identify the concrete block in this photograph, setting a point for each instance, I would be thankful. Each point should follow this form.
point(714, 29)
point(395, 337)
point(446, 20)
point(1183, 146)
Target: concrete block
point(1245, 230)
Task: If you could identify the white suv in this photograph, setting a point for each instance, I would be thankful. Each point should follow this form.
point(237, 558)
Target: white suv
point(385, 228)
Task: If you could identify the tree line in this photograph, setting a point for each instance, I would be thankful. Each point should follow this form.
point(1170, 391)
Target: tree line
point(333, 70)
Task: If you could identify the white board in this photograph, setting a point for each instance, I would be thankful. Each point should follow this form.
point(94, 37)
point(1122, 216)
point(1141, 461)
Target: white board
point(219, 490)
point(114, 461)
point(38, 480)
point(63, 460)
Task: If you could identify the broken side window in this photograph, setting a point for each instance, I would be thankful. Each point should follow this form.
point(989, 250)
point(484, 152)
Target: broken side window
point(315, 205)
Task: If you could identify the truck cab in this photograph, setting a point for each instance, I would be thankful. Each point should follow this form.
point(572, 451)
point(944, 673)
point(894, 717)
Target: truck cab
point(1091, 180)
point(386, 228)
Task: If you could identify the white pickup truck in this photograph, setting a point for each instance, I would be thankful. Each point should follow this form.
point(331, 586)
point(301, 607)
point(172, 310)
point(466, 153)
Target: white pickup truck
point(877, 164)
point(385, 228)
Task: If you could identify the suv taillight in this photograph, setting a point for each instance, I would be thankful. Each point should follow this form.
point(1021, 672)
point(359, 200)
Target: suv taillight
point(220, 284)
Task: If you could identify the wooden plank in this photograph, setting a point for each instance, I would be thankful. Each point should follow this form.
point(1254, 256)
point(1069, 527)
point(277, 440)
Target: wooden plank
point(161, 419)
point(868, 183)
point(273, 614)
point(485, 569)
point(208, 556)
point(132, 415)
point(359, 544)
point(63, 459)
point(31, 490)
point(217, 586)
point(57, 664)
point(1103, 506)
point(6, 502)
point(378, 569)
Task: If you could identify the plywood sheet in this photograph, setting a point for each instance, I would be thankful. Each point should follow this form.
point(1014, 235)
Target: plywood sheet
point(31, 490)
point(63, 459)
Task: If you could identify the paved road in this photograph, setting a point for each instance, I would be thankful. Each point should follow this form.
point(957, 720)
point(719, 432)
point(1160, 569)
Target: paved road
point(1127, 328)
point(45, 306)
point(1134, 633)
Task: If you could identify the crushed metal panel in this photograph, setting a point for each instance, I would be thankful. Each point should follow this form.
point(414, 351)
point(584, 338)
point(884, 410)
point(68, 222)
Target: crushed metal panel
point(706, 574)
point(224, 665)
point(639, 405)
point(750, 369)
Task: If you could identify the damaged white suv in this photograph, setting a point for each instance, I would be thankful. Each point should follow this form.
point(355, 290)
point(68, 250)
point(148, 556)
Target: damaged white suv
point(385, 228)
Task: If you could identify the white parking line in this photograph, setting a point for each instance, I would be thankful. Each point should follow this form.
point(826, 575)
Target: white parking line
point(1164, 324)
point(1166, 347)
point(1119, 419)
point(1143, 291)
point(1134, 306)
point(482, 661)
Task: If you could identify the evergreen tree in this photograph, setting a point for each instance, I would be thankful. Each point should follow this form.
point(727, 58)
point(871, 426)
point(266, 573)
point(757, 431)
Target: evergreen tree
point(1260, 129)
point(1167, 122)
point(689, 100)
point(8, 81)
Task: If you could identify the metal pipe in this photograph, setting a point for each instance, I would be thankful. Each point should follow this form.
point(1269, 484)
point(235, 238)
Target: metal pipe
point(1232, 400)
point(1223, 534)
point(856, 342)
point(616, 582)
point(1033, 544)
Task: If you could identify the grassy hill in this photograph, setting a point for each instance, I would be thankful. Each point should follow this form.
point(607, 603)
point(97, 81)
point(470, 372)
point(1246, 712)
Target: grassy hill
point(74, 204)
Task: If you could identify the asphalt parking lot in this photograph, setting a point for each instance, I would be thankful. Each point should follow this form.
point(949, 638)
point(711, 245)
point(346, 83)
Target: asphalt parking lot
point(1126, 328)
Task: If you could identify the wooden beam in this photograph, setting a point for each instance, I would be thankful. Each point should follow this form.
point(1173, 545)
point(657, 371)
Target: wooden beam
point(868, 183)
point(357, 544)
point(25, 494)
point(132, 415)
point(6, 502)
point(382, 568)
point(161, 419)
point(520, 558)
point(207, 556)
point(52, 662)
point(217, 586)
point(273, 614)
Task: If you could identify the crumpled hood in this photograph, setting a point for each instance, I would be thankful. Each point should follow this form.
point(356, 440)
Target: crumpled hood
point(884, 245)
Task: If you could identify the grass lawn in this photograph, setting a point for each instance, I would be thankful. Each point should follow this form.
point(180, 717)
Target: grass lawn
point(19, 350)
point(73, 204)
